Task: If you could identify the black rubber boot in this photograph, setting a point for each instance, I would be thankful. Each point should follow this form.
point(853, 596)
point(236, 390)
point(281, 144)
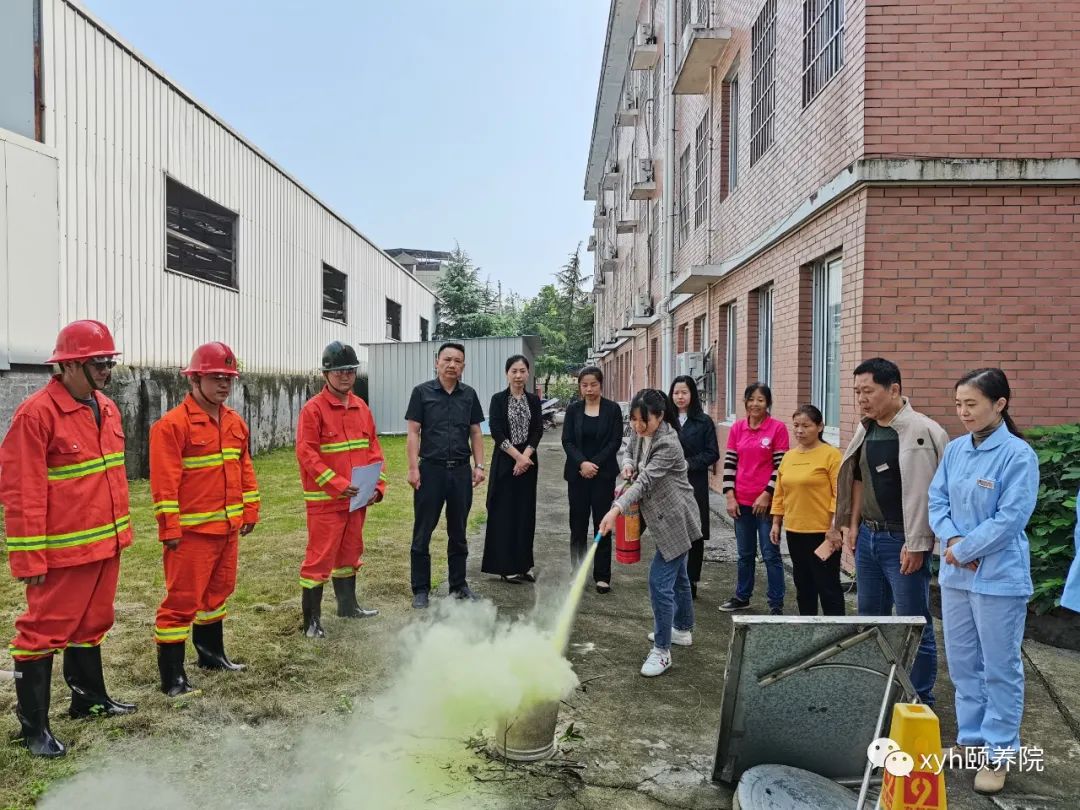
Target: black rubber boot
point(32, 690)
point(347, 606)
point(209, 640)
point(311, 601)
point(82, 671)
point(170, 659)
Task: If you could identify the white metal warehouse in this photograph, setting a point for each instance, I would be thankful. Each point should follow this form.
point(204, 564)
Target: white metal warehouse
point(122, 198)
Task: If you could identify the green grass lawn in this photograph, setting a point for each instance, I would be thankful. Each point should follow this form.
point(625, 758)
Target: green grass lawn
point(289, 679)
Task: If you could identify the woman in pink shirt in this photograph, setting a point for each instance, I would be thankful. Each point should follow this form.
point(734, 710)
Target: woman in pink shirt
point(755, 447)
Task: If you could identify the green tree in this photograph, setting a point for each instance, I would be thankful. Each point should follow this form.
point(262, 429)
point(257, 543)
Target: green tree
point(470, 309)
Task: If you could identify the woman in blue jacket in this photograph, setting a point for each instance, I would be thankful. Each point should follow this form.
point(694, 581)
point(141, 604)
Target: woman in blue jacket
point(981, 498)
point(1070, 597)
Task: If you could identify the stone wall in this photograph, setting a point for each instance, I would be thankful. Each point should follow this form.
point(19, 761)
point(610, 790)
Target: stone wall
point(269, 403)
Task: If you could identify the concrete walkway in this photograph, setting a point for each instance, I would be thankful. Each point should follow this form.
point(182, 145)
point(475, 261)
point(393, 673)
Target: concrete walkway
point(649, 742)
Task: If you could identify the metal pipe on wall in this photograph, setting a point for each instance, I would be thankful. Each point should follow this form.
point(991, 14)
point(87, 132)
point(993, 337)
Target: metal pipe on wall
point(667, 265)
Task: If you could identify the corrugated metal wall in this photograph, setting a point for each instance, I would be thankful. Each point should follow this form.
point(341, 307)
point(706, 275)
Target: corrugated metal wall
point(395, 368)
point(118, 128)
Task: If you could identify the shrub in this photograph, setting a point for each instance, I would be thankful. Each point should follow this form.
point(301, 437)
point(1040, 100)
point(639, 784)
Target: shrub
point(1050, 531)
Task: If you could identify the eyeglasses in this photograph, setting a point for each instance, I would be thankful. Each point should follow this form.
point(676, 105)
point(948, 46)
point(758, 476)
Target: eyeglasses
point(219, 378)
point(102, 362)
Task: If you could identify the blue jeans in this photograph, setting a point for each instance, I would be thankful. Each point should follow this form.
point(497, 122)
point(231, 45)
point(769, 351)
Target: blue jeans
point(752, 533)
point(672, 604)
point(881, 585)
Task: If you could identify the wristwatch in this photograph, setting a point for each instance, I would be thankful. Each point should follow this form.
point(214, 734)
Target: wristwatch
point(478, 466)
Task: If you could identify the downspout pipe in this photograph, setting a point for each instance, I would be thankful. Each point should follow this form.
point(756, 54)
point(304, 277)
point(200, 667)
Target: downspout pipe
point(667, 263)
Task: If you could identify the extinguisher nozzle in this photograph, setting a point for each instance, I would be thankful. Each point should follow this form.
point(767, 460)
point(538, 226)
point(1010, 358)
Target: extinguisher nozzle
point(597, 538)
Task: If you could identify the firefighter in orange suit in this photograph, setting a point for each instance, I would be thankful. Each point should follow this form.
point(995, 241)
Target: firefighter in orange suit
point(335, 433)
point(65, 497)
point(205, 495)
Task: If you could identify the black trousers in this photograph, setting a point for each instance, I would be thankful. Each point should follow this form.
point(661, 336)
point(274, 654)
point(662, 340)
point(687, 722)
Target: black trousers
point(697, 548)
point(815, 580)
point(590, 496)
point(439, 486)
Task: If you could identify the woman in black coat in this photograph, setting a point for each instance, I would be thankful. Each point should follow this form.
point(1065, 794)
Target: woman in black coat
point(698, 438)
point(591, 436)
point(517, 427)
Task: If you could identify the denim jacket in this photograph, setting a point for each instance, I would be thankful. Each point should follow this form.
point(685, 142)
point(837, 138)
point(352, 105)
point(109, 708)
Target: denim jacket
point(1070, 597)
point(986, 495)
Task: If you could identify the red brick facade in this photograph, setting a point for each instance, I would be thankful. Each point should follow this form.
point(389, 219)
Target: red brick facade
point(941, 272)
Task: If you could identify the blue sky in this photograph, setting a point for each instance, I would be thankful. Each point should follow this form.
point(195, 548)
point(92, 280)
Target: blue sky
point(421, 121)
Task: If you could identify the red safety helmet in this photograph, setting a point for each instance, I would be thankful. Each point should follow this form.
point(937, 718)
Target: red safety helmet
point(213, 358)
point(81, 340)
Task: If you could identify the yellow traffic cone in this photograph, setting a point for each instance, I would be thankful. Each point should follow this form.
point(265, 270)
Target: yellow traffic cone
point(914, 775)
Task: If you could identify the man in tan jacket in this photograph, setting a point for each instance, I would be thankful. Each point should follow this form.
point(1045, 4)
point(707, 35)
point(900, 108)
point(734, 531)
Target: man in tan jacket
point(882, 507)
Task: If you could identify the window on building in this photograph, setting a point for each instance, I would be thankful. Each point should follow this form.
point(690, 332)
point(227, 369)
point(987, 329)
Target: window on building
point(334, 294)
point(657, 103)
point(684, 338)
point(763, 85)
point(701, 154)
point(825, 376)
point(731, 397)
point(654, 238)
point(393, 320)
point(21, 103)
point(424, 326)
point(765, 334)
point(200, 236)
point(684, 195)
point(823, 45)
point(700, 337)
point(732, 112)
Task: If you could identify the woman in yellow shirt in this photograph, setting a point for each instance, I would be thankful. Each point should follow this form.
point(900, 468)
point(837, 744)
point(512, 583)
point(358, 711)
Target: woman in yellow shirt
point(804, 502)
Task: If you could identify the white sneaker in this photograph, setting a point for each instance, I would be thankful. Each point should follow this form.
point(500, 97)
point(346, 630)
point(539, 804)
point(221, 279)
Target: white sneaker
point(656, 664)
point(684, 638)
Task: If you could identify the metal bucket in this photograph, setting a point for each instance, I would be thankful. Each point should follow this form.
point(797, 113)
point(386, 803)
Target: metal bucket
point(529, 735)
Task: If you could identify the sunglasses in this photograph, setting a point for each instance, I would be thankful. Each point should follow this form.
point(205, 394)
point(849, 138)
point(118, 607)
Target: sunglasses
point(102, 362)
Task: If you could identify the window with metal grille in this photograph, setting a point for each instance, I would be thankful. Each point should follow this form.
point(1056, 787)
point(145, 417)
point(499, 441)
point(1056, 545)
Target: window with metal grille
point(731, 398)
point(684, 195)
point(334, 294)
point(823, 45)
point(825, 376)
point(424, 326)
point(733, 133)
point(393, 320)
point(765, 334)
point(763, 84)
point(701, 154)
point(200, 236)
point(657, 104)
point(700, 337)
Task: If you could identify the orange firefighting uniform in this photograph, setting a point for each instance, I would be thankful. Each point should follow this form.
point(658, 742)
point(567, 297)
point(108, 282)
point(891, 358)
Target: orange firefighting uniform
point(203, 485)
point(65, 496)
point(332, 437)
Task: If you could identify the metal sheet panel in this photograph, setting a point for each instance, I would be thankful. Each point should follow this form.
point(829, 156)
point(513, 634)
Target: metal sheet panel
point(395, 368)
point(821, 718)
point(119, 127)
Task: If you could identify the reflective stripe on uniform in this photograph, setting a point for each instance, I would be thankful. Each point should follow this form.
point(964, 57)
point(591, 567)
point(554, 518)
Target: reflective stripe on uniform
point(168, 635)
point(166, 507)
point(310, 583)
point(89, 643)
point(89, 467)
point(201, 462)
point(195, 518)
point(14, 651)
point(324, 476)
point(346, 571)
point(317, 496)
point(343, 447)
point(205, 617)
point(70, 539)
point(252, 497)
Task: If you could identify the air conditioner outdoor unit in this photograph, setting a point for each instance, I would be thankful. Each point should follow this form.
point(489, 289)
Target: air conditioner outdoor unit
point(645, 35)
point(645, 170)
point(643, 307)
point(691, 364)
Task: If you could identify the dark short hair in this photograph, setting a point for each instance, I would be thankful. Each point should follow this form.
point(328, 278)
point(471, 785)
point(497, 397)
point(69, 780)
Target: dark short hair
point(451, 345)
point(754, 388)
point(885, 372)
point(515, 358)
point(590, 371)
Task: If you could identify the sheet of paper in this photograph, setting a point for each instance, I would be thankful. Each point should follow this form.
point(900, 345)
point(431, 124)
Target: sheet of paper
point(365, 479)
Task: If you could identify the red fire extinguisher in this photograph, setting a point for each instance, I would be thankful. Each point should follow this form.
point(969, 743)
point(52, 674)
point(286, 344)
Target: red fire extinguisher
point(628, 535)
